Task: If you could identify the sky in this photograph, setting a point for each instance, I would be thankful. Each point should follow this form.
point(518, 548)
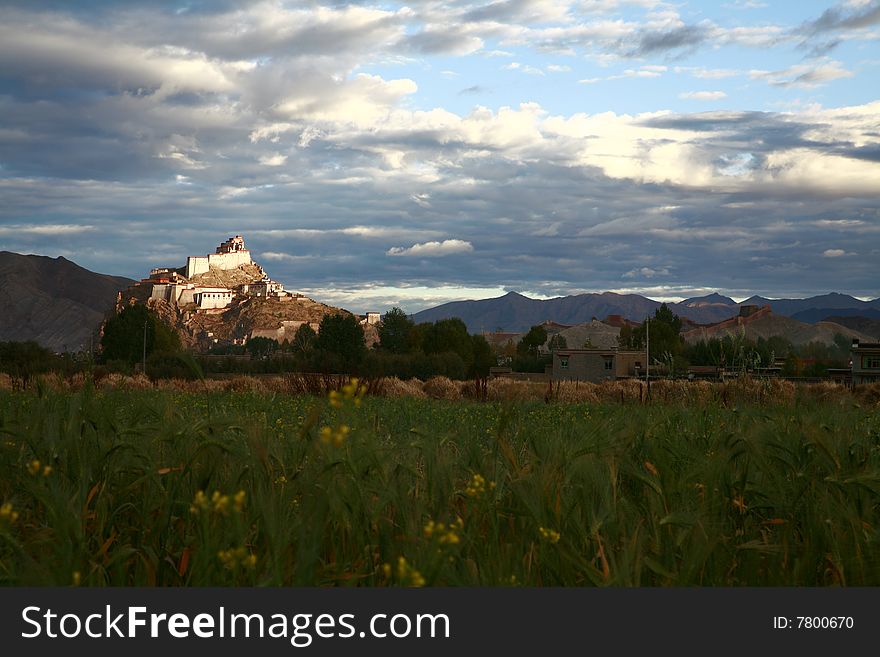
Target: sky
point(380, 154)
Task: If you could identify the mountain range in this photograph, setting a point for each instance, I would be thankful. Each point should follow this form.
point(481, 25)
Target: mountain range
point(514, 312)
point(61, 305)
point(53, 301)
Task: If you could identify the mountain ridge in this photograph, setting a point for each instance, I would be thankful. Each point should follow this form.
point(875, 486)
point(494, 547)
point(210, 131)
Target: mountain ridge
point(516, 312)
point(53, 301)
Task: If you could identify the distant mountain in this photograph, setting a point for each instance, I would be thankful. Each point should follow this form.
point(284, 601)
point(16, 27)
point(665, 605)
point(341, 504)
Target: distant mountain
point(713, 299)
point(53, 300)
point(813, 315)
point(517, 313)
point(833, 301)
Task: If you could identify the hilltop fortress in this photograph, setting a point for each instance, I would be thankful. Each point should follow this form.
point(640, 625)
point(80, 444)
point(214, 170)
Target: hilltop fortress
point(231, 254)
point(215, 280)
point(226, 298)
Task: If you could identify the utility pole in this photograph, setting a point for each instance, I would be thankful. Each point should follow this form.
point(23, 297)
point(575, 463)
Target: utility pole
point(648, 353)
point(144, 365)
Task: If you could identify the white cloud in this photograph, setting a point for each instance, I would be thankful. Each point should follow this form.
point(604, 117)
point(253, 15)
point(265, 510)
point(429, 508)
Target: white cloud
point(432, 249)
point(703, 95)
point(804, 76)
point(273, 160)
point(523, 68)
point(646, 272)
point(833, 253)
point(46, 229)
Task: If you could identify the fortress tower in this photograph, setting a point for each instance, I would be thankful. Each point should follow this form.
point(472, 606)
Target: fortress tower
point(231, 254)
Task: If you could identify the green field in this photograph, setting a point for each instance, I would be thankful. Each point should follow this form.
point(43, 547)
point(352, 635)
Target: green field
point(171, 488)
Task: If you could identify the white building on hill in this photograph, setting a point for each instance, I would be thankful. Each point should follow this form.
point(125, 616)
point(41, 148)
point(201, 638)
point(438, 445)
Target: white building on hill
point(231, 254)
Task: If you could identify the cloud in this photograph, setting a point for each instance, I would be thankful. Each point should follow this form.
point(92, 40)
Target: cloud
point(647, 71)
point(684, 37)
point(646, 272)
point(833, 253)
point(842, 17)
point(46, 229)
point(273, 160)
point(703, 95)
point(523, 68)
point(432, 249)
point(284, 124)
point(804, 76)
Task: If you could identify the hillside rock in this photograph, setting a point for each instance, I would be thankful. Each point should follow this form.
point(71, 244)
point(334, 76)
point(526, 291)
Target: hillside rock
point(54, 301)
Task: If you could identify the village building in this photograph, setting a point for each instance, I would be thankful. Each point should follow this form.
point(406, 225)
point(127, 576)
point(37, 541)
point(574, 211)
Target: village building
point(212, 297)
point(596, 365)
point(865, 359)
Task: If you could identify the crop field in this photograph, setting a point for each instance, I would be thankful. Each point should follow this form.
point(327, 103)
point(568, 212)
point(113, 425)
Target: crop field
point(186, 488)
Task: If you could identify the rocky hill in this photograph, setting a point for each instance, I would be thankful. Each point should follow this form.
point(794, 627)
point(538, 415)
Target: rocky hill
point(53, 301)
point(768, 324)
point(249, 305)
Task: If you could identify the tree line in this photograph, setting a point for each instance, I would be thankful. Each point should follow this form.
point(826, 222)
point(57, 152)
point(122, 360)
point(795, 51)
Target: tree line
point(408, 350)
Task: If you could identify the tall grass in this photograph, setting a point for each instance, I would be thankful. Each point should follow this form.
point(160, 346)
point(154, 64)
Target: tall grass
point(166, 487)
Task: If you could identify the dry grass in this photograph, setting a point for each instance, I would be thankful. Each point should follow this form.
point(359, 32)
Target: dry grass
point(737, 392)
point(441, 387)
point(394, 388)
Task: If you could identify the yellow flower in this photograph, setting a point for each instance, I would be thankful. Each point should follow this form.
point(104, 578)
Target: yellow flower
point(550, 535)
point(238, 501)
point(336, 437)
point(7, 514)
point(233, 558)
point(326, 434)
point(478, 486)
point(200, 503)
point(408, 575)
point(445, 535)
point(220, 502)
point(33, 467)
point(76, 578)
point(335, 401)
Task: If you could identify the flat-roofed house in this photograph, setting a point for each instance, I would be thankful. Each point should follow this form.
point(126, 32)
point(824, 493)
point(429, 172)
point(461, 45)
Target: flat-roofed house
point(865, 358)
point(597, 365)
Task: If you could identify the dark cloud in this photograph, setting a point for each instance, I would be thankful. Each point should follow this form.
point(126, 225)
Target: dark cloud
point(125, 148)
point(839, 18)
point(686, 37)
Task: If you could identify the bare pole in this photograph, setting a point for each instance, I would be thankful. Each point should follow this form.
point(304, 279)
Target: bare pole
point(648, 354)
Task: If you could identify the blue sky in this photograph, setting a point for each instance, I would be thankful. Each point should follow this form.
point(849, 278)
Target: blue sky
point(380, 154)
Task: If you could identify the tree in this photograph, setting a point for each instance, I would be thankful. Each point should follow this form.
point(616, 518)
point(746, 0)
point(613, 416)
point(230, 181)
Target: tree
point(25, 358)
point(558, 342)
point(124, 335)
point(304, 339)
point(531, 341)
point(395, 332)
point(448, 335)
point(343, 336)
point(482, 357)
point(261, 347)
